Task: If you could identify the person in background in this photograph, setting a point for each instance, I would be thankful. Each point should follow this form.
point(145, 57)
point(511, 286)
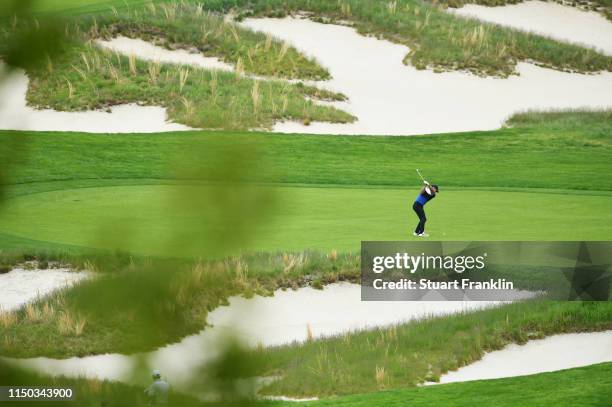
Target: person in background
point(157, 392)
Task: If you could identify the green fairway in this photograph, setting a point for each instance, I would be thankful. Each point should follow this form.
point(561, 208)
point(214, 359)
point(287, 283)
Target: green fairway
point(147, 219)
point(584, 386)
point(544, 178)
point(75, 6)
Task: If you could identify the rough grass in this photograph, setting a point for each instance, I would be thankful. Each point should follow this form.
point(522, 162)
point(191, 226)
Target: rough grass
point(437, 39)
point(100, 315)
point(540, 150)
point(88, 392)
point(88, 78)
point(85, 77)
point(571, 119)
point(103, 314)
point(182, 25)
point(601, 6)
point(422, 350)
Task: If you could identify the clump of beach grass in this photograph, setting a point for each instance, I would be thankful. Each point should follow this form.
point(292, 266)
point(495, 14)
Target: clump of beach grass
point(192, 26)
point(437, 39)
point(7, 319)
point(85, 77)
point(33, 313)
point(183, 77)
point(380, 376)
point(71, 324)
point(602, 6)
point(421, 350)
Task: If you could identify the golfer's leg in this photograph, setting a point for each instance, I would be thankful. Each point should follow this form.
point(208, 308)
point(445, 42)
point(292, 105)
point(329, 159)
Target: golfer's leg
point(421, 214)
point(417, 209)
point(422, 223)
point(422, 220)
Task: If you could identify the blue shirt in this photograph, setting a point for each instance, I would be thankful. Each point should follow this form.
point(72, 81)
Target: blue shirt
point(424, 197)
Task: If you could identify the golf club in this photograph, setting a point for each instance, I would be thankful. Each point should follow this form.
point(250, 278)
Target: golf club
point(419, 172)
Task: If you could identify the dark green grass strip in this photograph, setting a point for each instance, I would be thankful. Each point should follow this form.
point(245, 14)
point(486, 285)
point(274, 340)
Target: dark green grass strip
point(589, 386)
point(555, 155)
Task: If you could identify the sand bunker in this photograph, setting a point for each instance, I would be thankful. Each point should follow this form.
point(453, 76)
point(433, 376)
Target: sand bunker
point(149, 52)
point(556, 352)
point(130, 118)
point(551, 19)
point(387, 97)
point(290, 315)
point(284, 318)
point(20, 286)
point(390, 98)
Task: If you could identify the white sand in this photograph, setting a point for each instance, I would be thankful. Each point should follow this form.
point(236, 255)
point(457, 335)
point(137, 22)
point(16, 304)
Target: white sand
point(150, 52)
point(390, 98)
point(268, 321)
point(551, 19)
point(556, 352)
point(20, 286)
point(130, 118)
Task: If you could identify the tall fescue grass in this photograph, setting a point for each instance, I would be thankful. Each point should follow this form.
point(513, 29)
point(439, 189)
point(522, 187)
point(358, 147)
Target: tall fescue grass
point(85, 77)
point(409, 354)
point(437, 39)
point(7, 319)
point(69, 324)
point(187, 25)
point(195, 97)
point(602, 6)
point(183, 292)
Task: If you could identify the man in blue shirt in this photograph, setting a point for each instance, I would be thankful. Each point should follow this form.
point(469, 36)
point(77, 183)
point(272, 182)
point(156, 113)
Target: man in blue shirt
point(428, 192)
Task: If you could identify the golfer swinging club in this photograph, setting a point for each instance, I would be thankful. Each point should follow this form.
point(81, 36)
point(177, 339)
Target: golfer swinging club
point(428, 192)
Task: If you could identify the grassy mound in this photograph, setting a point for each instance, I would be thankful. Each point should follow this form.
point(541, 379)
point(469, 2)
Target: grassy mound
point(82, 76)
point(420, 351)
point(181, 25)
point(437, 39)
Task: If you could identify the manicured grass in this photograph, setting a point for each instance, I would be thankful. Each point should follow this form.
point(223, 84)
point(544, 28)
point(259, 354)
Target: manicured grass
point(548, 151)
point(420, 351)
point(68, 6)
point(145, 220)
point(589, 386)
